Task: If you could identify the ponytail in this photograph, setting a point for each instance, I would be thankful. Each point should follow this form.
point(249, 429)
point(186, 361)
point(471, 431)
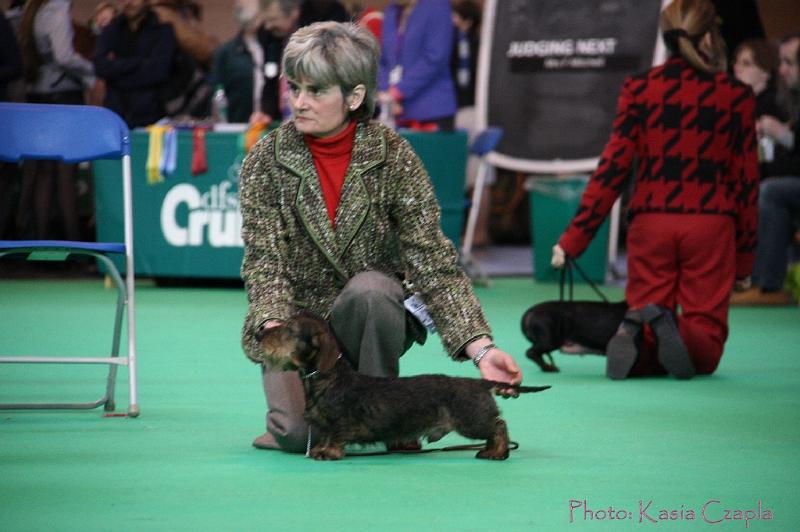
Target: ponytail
point(689, 29)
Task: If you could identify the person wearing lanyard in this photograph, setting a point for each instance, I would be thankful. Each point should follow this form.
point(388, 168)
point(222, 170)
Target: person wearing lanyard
point(414, 76)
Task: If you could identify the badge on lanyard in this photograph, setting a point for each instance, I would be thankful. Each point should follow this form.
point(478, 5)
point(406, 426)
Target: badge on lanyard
point(395, 75)
point(271, 69)
point(417, 307)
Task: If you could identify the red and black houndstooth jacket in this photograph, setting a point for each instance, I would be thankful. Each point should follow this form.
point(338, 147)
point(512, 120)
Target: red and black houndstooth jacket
point(693, 135)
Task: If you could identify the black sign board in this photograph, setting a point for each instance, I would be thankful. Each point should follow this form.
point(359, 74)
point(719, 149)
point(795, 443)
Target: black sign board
point(550, 74)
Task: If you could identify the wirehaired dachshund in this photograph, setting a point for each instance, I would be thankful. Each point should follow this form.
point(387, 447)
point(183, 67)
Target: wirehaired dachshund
point(348, 407)
point(576, 327)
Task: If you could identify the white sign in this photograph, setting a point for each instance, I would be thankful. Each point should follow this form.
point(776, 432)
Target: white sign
point(214, 217)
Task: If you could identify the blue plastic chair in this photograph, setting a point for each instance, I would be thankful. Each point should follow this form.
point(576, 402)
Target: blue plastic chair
point(76, 133)
point(483, 144)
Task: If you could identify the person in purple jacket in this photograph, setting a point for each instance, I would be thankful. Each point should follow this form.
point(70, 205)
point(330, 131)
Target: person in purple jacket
point(414, 76)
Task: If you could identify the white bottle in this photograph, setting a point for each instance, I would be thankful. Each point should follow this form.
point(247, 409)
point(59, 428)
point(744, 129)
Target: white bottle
point(766, 149)
point(219, 106)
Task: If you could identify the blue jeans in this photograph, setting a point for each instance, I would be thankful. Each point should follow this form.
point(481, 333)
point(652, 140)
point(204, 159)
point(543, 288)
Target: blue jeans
point(778, 204)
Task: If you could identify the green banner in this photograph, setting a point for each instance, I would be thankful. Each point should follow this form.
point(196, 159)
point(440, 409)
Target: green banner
point(189, 225)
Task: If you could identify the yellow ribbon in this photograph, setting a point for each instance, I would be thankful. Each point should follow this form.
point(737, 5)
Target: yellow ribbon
point(154, 153)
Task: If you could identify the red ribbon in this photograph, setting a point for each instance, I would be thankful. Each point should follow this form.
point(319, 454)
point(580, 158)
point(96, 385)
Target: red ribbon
point(199, 153)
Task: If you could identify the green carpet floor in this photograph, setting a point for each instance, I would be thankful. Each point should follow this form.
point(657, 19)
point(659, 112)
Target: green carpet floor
point(594, 454)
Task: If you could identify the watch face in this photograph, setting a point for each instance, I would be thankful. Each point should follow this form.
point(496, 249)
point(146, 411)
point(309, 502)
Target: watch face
point(271, 69)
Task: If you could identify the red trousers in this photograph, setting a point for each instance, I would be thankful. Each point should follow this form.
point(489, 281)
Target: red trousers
point(684, 261)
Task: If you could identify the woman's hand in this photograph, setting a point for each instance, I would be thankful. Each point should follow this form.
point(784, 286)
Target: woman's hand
point(559, 257)
point(265, 326)
point(96, 93)
point(496, 365)
point(769, 126)
point(499, 366)
point(742, 283)
point(260, 118)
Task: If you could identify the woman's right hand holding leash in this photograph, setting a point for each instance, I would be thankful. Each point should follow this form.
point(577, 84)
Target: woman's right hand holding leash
point(559, 257)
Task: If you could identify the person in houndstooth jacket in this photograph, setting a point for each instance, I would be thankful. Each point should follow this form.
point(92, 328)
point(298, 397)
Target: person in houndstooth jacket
point(693, 210)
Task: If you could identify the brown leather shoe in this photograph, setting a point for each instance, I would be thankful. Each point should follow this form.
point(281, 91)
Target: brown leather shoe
point(756, 297)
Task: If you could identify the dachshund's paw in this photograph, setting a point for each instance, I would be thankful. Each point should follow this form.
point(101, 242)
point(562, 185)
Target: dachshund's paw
point(492, 454)
point(327, 452)
point(547, 366)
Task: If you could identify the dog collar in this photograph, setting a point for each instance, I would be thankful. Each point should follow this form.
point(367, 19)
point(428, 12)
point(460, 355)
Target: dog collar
point(309, 375)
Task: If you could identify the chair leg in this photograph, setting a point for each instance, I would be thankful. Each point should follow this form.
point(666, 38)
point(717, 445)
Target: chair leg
point(122, 296)
point(471, 266)
point(110, 404)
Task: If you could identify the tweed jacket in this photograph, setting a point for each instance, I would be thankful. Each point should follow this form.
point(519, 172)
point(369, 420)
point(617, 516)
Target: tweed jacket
point(387, 221)
point(694, 137)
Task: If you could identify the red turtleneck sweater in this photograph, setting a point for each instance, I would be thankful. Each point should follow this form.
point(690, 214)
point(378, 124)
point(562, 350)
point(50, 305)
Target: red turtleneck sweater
point(331, 158)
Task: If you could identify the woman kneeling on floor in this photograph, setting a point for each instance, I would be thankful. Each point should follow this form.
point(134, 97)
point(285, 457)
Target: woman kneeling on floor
point(693, 209)
point(340, 219)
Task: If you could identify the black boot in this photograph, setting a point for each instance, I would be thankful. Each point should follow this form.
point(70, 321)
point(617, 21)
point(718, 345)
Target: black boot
point(672, 353)
point(623, 348)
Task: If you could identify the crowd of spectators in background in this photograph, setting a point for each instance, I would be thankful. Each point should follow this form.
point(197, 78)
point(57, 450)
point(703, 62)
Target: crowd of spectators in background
point(774, 74)
point(151, 59)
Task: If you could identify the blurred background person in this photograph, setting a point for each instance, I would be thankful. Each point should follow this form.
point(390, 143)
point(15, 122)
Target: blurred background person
point(10, 70)
point(784, 132)
point(318, 10)
point(280, 19)
point(187, 92)
point(238, 64)
point(10, 57)
point(464, 70)
point(103, 14)
point(185, 17)
point(779, 193)
point(414, 77)
point(755, 63)
point(13, 13)
point(464, 59)
point(367, 14)
point(134, 57)
point(54, 73)
point(15, 89)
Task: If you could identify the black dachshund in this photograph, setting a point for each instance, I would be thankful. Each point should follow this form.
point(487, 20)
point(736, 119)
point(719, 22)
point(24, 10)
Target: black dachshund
point(570, 326)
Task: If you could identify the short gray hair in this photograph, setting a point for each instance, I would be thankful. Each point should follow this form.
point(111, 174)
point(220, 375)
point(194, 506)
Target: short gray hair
point(335, 53)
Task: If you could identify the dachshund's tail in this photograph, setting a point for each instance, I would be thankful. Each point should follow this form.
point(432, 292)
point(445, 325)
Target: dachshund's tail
point(531, 389)
point(517, 388)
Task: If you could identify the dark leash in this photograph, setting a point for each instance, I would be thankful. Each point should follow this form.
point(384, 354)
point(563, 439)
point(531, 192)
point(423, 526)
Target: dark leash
point(512, 446)
point(567, 278)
